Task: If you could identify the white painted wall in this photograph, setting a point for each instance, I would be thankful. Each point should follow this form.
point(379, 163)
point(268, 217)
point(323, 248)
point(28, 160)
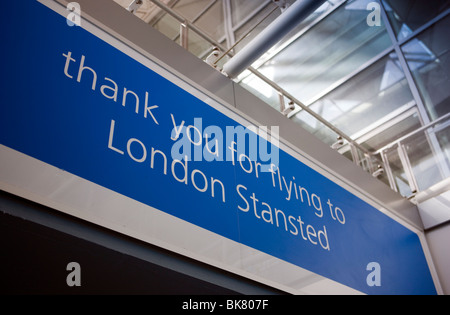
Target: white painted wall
point(439, 244)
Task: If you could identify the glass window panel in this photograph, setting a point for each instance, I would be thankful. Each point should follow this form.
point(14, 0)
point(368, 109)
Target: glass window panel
point(406, 16)
point(212, 22)
point(197, 45)
point(321, 10)
point(244, 29)
point(428, 57)
point(262, 90)
point(311, 124)
point(366, 98)
point(190, 8)
point(392, 133)
point(331, 50)
point(243, 9)
point(264, 17)
point(443, 136)
point(355, 155)
point(168, 25)
point(398, 172)
point(423, 161)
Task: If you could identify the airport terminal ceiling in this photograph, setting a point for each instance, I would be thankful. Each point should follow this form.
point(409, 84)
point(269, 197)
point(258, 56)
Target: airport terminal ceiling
point(366, 77)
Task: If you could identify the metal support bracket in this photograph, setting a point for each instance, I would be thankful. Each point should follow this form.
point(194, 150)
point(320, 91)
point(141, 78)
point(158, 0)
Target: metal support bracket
point(135, 5)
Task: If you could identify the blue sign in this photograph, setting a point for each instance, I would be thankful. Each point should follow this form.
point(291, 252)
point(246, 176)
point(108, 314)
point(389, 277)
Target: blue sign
point(73, 101)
